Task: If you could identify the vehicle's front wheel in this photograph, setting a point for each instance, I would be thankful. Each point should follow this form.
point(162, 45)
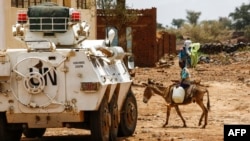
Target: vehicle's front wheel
point(9, 132)
point(128, 116)
point(114, 112)
point(100, 122)
point(34, 132)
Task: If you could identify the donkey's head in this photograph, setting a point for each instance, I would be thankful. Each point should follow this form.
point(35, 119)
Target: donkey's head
point(147, 94)
point(149, 90)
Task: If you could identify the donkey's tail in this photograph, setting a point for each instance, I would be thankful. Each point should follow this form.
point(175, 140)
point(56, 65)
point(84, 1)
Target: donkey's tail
point(208, 100)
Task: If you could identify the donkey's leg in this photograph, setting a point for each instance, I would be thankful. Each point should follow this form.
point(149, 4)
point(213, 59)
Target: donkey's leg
point(204, 113)
point(179, 113)
point(167, 116)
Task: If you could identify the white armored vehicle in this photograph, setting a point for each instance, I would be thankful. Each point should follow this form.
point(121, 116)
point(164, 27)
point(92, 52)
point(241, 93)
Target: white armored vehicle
point(62, 79)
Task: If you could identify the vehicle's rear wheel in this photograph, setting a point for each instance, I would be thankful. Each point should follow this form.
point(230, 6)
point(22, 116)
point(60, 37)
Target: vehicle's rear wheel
point(114, 118)
point(100, 122)
point(9, 132)
point(34, 132)
point(128, 116)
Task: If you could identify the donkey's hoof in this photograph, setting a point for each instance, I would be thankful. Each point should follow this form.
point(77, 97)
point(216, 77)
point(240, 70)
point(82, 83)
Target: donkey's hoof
point(203, 127)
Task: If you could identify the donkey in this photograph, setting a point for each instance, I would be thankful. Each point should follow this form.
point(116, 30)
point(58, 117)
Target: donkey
point(166, 92)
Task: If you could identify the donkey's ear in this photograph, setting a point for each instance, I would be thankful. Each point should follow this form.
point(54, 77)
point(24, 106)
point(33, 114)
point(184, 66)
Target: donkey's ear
point(151, 81)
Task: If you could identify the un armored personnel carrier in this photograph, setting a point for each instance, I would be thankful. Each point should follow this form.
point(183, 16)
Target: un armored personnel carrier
point(63, 79)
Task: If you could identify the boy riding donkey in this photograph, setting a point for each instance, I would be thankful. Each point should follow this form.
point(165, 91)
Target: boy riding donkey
point(182, 86)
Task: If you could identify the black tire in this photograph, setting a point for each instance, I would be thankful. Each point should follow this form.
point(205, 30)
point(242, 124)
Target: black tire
point(114, 112)
point(34, 132)
point(9, 132)
point(128, 116)
point(100, 122)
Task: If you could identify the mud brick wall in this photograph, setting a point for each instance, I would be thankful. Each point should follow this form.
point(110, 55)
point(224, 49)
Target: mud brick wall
point(145, 46)
point(166, 44)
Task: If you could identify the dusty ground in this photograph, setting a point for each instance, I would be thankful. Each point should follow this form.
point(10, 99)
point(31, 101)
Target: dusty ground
point(228, 81)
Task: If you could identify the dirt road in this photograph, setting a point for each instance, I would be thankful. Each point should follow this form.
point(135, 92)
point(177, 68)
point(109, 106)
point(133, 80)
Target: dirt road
point(229, 89)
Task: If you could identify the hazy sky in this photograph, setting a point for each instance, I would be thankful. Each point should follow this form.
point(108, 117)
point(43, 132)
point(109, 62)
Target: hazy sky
point(167, 10)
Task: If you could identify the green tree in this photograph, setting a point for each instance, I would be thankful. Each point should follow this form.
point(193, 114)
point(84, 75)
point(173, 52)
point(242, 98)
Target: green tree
point(241, 16)
point(226, 22)
point(159, 26)
point(178, 22)
point(193, 17)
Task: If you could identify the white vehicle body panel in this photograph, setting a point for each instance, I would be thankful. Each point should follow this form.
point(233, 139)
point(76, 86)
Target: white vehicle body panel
point(60, 77)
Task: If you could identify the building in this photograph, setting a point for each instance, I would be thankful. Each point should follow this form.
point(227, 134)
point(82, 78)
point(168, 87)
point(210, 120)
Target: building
point(13, 6)
point(141, 37)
